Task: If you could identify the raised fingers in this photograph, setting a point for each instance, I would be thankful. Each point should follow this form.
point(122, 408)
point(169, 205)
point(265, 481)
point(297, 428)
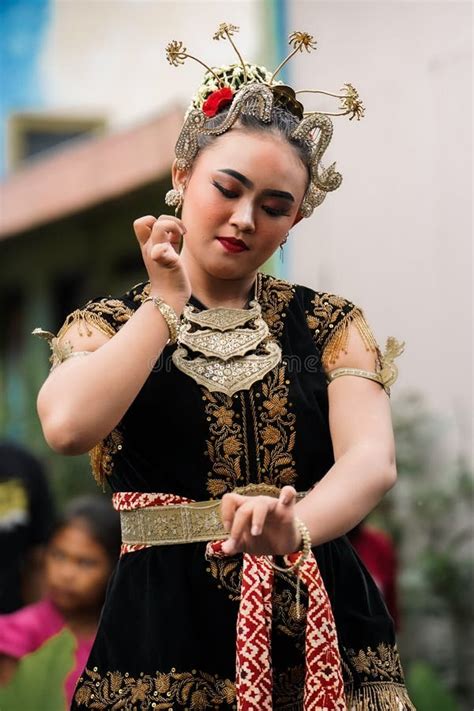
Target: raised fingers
point(286, 502)
point(142, 228)
point(167, 229)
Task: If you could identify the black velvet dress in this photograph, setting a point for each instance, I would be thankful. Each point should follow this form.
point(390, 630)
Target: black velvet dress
point(166, 638)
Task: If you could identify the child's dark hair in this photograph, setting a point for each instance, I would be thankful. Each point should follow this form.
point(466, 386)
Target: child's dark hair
point(100, 519)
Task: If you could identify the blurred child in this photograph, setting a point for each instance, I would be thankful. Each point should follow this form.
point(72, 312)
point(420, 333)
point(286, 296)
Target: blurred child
point(81, 553)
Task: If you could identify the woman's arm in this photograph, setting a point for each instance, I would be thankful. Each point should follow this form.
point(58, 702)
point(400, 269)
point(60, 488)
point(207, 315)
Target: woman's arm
point(364, 450)
point(364, 470)
point(84, 398)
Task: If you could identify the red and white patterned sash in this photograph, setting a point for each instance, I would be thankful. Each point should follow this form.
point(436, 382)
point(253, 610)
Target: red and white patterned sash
point(324, 687)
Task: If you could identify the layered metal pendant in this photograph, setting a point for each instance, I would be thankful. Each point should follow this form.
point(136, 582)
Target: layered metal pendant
point(224, 357)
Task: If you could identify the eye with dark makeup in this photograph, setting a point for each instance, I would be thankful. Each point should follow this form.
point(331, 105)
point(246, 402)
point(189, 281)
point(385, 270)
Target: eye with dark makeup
point(272, 211)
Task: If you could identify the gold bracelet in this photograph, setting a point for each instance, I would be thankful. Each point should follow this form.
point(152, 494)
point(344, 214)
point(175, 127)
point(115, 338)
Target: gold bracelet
point(169, 314)
point(304, 553)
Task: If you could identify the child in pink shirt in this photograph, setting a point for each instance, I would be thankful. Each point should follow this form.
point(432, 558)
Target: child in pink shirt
point(80, 555)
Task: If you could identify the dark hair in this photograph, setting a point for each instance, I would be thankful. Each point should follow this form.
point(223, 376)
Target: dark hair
point(282, 122)
point(100, 519)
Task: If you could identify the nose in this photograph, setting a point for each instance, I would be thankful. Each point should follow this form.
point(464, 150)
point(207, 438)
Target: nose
point(243, 217)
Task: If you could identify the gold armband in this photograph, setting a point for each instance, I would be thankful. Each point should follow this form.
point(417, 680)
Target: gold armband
point(169, 315)
point(387, 373)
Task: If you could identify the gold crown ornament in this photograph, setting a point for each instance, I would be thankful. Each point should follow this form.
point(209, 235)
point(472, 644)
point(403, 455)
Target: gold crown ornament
point(244, 88)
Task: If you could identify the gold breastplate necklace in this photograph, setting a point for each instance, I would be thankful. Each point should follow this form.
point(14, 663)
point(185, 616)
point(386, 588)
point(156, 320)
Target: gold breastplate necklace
point(226, 350)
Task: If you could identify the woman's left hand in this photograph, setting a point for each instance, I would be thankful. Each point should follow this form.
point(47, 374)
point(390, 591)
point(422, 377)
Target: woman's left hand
point(261, 525)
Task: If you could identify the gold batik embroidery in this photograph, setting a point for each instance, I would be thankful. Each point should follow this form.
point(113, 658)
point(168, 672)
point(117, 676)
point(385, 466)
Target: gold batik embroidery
point(140, 292)
point(102, 456)
point(265, 413)
point(288, 689)
point(275, 296)
point(276, 430)
point(224, 445)
point(272, 423)
point(330, 320)
point(285, 617)
point(194, 690)
point(379, 664)
point(228, 573)
point(380, 683)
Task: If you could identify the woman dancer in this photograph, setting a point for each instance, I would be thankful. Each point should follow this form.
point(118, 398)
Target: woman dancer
point(212, 403)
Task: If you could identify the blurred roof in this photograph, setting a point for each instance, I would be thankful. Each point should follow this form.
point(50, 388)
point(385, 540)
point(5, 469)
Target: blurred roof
point(87, 173)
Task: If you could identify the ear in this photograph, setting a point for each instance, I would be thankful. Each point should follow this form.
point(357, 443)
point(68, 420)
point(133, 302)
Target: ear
point(179, 177)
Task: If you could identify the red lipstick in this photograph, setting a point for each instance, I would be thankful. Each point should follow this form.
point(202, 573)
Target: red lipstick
point(231, 244)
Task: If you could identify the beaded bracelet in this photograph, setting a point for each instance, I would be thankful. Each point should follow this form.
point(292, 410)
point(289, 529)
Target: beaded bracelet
point(169, 314)
point(294, 567)
point(303, 554)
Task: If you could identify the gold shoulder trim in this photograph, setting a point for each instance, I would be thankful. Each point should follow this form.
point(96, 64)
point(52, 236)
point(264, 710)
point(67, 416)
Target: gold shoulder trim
point(339, 338)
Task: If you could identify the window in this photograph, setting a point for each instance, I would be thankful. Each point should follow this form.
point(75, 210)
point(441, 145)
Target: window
point(31, 135)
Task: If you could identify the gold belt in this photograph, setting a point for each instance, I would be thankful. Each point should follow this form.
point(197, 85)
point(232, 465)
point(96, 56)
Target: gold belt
point(183, 523)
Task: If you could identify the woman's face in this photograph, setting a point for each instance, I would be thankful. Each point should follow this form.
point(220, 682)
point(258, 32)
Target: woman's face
point(77, 569)
point(241, 199)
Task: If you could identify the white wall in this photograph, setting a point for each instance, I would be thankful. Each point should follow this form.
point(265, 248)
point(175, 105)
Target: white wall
point(108, 56)
point(396, 237)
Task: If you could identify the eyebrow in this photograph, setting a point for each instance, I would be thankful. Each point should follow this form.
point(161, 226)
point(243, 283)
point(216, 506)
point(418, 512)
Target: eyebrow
point(248, 184)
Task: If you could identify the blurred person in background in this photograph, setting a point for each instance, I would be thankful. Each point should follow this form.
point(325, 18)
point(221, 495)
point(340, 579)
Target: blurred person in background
point(26, 518)
point(232, 589)
point(80, 556)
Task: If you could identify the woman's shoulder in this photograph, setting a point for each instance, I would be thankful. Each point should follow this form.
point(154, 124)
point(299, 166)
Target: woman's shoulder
point(323, 309)
point(328, 316)
point(26, 629)
point(107, 313)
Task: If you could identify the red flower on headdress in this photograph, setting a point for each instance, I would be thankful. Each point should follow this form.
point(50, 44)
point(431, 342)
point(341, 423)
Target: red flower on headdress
point(217, 100)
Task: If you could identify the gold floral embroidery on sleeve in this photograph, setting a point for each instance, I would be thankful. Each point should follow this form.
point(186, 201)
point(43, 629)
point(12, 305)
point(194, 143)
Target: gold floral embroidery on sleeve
point(114, 312)
point(140, 292)
point(102, 456)
point(329, 321)
point(195, 690)
point(106, 315)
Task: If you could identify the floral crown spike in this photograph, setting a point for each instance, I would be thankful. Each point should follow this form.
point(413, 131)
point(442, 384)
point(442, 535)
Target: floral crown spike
point(249, 89)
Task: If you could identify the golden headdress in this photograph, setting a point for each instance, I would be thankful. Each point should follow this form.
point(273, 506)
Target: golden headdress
point(249, 89)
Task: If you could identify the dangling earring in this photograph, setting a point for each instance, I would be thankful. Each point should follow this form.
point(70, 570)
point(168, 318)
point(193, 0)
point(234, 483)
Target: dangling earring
point(174, 198)
point(282, 243)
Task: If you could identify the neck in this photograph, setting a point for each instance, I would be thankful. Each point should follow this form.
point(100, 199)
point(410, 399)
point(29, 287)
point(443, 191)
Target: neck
point(212, 292)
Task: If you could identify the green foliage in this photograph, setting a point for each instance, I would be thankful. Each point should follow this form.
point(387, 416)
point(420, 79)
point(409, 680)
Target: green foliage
point(429, 516)
point(426, 690)
point(38, 684)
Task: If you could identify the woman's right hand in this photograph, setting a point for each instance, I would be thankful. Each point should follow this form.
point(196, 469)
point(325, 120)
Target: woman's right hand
point(159, 240)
